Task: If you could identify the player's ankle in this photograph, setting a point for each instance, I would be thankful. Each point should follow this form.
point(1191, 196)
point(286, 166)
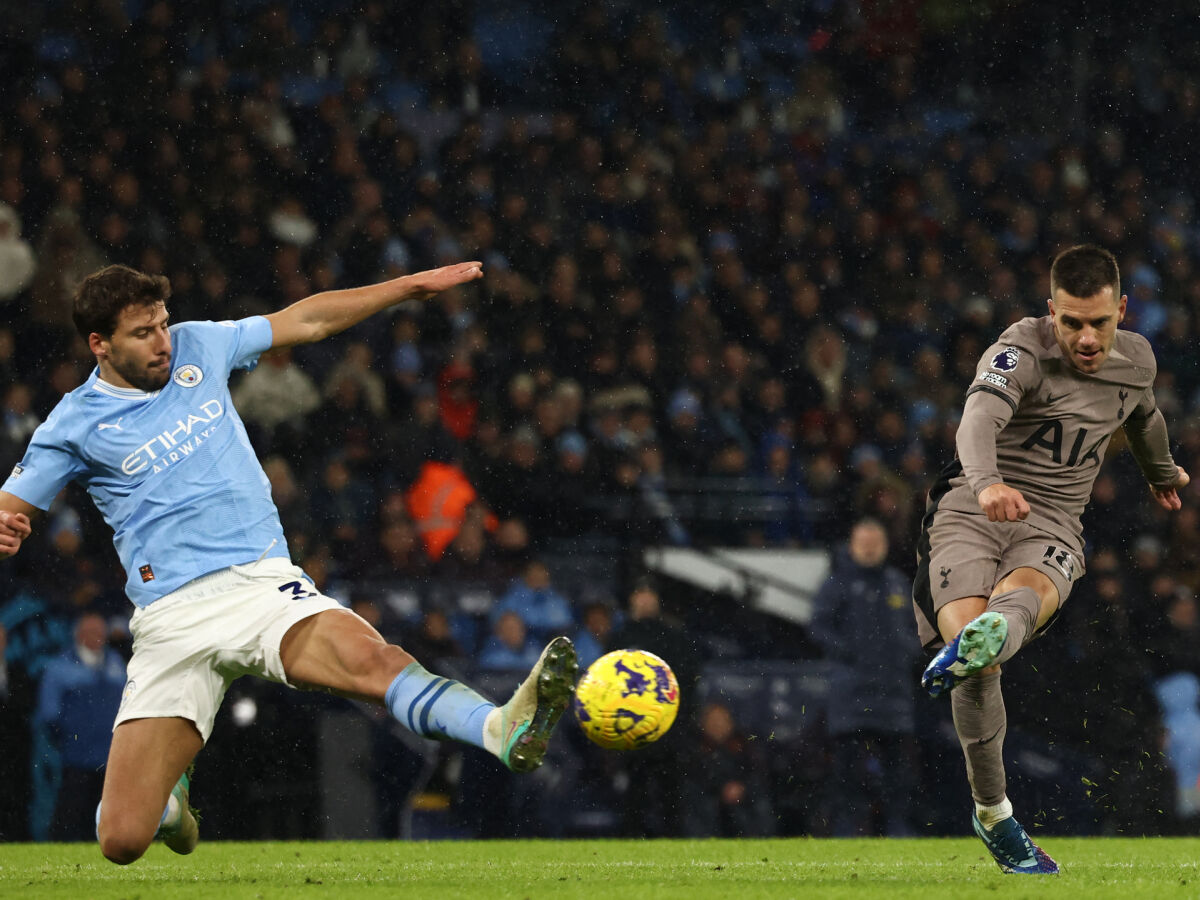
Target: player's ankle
point(492, 726)
point(991, 816)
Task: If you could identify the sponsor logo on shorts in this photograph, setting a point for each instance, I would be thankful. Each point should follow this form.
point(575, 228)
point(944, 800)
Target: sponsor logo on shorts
point(147, 573)
point(1060, 559)
point(188, 376)
point(17, 470)
point(1006, 360)
point(130, 690)
point(945, 573)
point(993, 378)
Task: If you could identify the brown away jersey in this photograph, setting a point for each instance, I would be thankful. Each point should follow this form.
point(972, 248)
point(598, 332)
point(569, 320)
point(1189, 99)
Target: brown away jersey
point(1062, 419)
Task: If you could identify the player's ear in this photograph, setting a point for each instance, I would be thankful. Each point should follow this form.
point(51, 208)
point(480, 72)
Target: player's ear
point(1121, 308)
point(98, 344)
point(1050, 305)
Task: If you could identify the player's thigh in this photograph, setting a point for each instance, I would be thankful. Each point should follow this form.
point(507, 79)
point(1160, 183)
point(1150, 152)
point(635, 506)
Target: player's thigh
point(337, 650)
point(959, 572)
point(954, 616)
point(1047, 565)
point(146, 758)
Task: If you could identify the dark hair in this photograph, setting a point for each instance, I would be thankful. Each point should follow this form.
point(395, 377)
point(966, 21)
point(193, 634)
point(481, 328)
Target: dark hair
point(101, 296)
point(1084, 271)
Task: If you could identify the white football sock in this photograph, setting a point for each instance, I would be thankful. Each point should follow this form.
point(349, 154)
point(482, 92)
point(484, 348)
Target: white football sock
point(991, 816)
point(171, 814)
point(491, 732)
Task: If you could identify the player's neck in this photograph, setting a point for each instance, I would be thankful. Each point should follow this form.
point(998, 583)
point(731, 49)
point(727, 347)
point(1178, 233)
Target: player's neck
point(112, 378)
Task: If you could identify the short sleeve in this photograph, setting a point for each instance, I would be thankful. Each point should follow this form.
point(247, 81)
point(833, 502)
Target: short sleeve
point(1006, 371)
point(241, 341)
point(47, 466)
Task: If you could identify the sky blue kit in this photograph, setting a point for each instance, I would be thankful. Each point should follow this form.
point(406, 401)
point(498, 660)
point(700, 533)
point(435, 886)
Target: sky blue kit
point(172, 471)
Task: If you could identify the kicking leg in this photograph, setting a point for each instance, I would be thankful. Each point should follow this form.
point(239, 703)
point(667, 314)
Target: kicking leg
point(980, 634)
point(1026, 599)
point(338, 651)
point(145, 761)
point(983, 634)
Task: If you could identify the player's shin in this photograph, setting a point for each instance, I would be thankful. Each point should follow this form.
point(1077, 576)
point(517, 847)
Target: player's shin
point(436, 707)
point(981, 723)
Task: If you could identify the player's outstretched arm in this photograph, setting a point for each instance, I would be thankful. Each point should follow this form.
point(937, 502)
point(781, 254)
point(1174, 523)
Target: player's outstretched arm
point(1167, 495)
point(14, 523)
point(329, 312)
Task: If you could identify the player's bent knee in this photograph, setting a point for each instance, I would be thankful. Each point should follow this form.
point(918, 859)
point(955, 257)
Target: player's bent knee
point(379, 666)
point(121, 847)
point(394, 658)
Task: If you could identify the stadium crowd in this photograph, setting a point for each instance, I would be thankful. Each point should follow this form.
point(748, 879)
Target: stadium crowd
point(741, 261)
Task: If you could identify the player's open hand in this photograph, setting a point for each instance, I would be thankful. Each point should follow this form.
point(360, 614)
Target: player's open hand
point(433, 281)
point(1003, 503)
point(1167, 495)
point(14, 528)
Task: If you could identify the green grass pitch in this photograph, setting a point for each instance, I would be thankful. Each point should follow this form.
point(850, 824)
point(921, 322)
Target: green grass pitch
point(481, 870)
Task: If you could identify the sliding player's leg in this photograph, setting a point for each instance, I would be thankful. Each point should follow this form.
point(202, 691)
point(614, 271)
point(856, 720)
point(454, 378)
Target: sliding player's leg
point(142, 797)
point(337, 650)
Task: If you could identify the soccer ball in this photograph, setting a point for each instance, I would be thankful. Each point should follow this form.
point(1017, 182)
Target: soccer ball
point(626, 699)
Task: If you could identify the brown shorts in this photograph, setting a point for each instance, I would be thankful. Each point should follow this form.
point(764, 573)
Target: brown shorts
point(964, 555)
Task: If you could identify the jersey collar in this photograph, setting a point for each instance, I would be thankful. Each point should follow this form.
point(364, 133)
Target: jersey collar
point(99, 384)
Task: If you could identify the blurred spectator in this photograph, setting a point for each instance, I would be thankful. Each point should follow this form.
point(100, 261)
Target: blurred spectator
point(866, 603)
point(398, 553)
point(1179, 699)
point(726, 792)
point(17, 417)
point(533, 597)
point(784, 484)
point(439, 501)
point(421, 437)
point(77, 702)
point(433, 639)
point(17, 262)
point(510, 647)
point(592, 638)
point(341, 504)
point(357, 365)
point(274, 398)
point(290, 501)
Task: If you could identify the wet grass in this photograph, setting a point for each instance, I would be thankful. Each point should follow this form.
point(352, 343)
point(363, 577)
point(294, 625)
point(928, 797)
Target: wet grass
point(696, 870)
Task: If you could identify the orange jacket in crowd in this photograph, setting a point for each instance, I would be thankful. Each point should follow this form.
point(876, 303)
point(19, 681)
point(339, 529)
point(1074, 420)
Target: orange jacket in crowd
point(438, 502)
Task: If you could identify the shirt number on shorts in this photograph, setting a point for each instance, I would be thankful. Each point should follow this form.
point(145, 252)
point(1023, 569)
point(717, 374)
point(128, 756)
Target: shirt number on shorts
point(298, 588)
point(1062, 560)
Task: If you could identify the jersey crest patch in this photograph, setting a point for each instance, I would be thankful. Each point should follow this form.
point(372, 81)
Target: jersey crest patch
point(188, 376)
point(1006, 360)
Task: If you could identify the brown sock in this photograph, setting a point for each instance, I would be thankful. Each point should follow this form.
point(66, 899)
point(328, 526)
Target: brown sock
point(979, 719)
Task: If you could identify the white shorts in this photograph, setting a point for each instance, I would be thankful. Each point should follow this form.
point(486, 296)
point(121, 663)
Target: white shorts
point(190, 645)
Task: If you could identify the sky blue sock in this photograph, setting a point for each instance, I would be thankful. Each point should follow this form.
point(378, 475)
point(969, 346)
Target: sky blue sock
point(436, 707)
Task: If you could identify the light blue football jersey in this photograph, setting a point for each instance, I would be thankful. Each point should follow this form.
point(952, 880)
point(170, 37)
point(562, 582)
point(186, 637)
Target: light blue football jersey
point(172, 471)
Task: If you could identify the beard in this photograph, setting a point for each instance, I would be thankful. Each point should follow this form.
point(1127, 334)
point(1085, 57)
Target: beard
point(142, 377)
